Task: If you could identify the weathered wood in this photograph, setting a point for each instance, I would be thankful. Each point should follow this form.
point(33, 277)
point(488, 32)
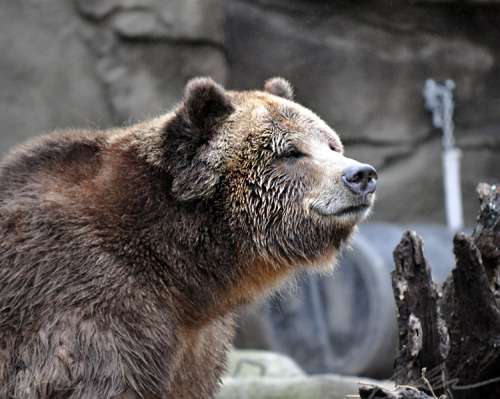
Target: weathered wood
point(486, 235)
point(470, 304)
point(423, 340)
point(473, 325)
point(456, 335)
point(374, 392)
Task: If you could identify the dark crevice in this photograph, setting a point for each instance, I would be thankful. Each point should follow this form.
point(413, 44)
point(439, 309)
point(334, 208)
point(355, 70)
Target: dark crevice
point(180, 41)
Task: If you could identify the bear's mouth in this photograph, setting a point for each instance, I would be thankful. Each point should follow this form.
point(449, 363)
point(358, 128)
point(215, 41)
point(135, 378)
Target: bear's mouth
point(350, 210)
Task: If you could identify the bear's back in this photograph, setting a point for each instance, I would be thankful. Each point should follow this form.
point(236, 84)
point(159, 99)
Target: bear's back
point(50, 162)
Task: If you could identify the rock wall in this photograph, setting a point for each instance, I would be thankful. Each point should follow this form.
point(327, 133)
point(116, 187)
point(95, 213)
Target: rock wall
point(97, 63)
point(360, 65)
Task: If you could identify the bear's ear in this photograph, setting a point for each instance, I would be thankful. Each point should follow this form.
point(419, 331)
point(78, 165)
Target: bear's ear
point(190, 160)
point(279, 87)
point(205, 103)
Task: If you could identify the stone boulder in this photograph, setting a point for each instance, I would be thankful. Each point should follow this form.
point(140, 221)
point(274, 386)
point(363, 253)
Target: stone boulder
point(269, 375)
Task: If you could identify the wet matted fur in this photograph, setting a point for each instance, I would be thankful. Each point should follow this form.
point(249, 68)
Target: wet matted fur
point(124, 253)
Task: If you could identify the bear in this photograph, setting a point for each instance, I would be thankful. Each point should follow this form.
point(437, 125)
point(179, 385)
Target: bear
point(125, 253)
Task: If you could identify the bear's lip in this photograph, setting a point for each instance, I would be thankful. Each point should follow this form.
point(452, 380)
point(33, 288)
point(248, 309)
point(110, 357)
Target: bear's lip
point(352, 209)
point(349, 211)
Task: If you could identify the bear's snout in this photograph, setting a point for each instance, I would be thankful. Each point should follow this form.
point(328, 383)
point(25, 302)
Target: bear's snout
point(360, 179)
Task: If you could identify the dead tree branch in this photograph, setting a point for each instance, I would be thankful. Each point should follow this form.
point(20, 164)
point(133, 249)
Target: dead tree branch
point(454, 334)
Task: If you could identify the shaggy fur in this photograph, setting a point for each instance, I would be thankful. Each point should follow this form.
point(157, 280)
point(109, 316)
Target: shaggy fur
point(124, 253)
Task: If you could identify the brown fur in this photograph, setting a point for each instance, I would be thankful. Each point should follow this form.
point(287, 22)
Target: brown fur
point(124, 253)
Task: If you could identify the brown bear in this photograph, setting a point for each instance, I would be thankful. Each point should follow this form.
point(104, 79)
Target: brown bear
point(124, 253)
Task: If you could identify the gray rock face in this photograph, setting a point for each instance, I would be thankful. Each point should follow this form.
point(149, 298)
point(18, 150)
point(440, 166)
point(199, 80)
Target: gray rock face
point(94, 64)
point(360, 66)
point(159, 19)
point(46, 72)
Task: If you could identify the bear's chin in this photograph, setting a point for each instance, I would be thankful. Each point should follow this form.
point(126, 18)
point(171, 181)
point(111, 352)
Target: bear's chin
point(349, 215)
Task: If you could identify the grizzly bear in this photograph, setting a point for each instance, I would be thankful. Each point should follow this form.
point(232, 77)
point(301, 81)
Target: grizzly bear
point(124, 253)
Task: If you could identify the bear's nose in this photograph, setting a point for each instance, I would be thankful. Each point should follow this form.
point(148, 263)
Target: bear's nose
point(361, 179)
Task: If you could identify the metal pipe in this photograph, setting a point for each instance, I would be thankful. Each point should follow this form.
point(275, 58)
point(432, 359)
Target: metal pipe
point(439, 100)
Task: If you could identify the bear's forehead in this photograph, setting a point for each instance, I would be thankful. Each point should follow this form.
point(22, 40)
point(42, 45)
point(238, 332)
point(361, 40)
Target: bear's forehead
point(293, 119)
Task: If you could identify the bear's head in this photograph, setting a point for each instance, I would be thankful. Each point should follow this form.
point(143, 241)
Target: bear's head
point(272, 168)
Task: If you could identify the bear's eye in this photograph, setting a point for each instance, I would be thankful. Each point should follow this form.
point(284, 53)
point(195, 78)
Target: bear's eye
point(334, 148)
point(292, 153)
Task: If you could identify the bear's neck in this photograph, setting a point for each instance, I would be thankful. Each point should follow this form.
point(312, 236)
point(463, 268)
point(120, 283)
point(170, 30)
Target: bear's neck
point(187, 250)
point(216, 275)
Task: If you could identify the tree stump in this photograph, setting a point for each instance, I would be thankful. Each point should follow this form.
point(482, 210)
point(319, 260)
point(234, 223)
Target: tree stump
point(449, 339)
point(423, 340)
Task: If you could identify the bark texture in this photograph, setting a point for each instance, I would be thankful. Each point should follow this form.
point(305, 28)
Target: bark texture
point(449, 339)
